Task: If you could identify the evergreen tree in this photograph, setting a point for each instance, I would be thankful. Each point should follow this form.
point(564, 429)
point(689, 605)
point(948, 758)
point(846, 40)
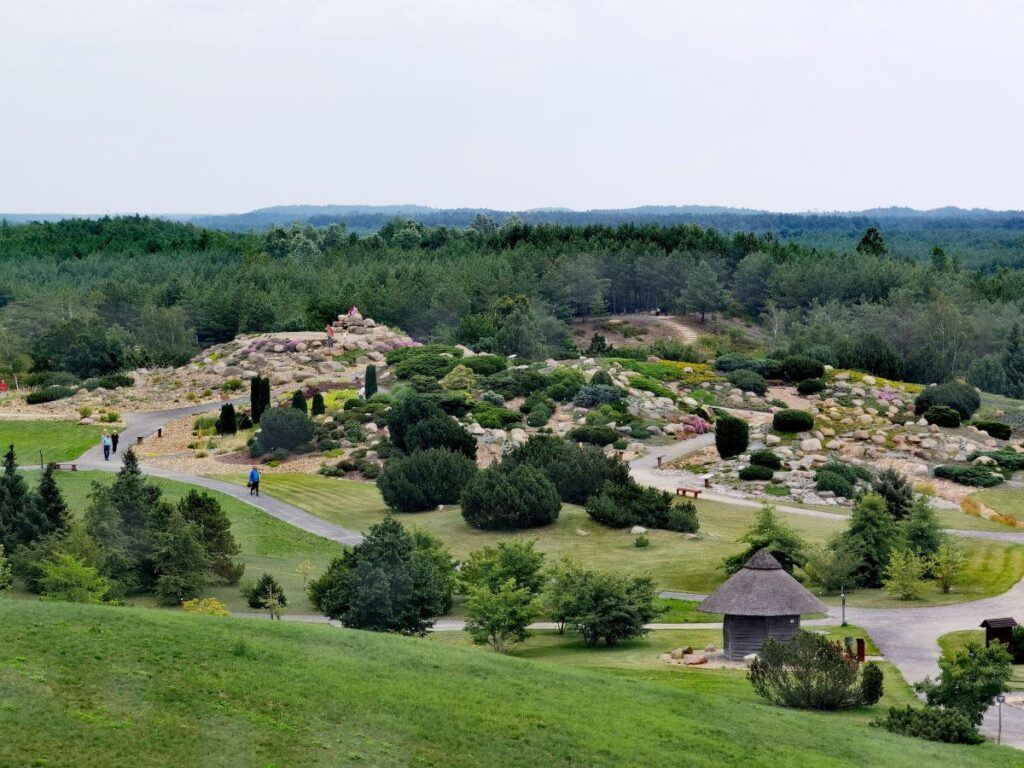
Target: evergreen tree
point(872, 243)
point(180, 561)
point(19, 514)
point(1013, 363)
point(873, 531)
point(53, 510)
point(704, 292)
point(214, 527)
point(266, 399)
point(370, 386)
point(921, 532)
point(227, 423)
point(256, 398)
point(896, 490)
point(317, 407)
point(783, 542)
point(299, 401)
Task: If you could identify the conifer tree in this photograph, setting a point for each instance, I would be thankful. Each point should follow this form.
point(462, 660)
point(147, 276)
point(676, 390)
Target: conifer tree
point(227, 424)
point(52, 509)
point(370, 387)
point(299, 401)
point(256, 398)
point(1013, 362)
point(317, 407)
point(19, 523)
point(180, 561)
point(873, 531)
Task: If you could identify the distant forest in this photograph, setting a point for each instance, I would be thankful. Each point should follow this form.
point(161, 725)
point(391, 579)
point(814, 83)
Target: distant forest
point(926, 301)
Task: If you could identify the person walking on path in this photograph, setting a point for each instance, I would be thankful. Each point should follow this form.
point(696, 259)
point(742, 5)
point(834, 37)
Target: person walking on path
point(114, 437)
point(254, 482)
point(329, 330)
point(106, 442)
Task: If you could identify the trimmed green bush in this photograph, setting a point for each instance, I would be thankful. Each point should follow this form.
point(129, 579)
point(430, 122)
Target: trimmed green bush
point(756, 472)
point(592, 395)
point(227, 424)
point(286, 428)
point(620, 505)
point(601, 378)
point(517, 382)
point(493, 417)
point(961, 397)
point(425, 479)
point(299, 401)
point(872, 684)
point(564, 383)
point(578, 472)
point(748, 381)
point(370, 384)
point(440, 431)
point(595, 435)
point(498, 500)
point(766, 458)
point(1007, 459)
point(800, 367)
point(539, 416)
point(834, 482)
point(995, 429)
point(792, 420)
point(979, 477)
point(485, 365)
point(49, 394)
point(932, 723)
point(732, 435)
point(110, 381)
point(942, 416)
point(810, 386)
point(770, 369)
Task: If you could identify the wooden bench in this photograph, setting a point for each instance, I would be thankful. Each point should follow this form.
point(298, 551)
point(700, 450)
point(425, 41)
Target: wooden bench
point(69, 467)
point(687, 491)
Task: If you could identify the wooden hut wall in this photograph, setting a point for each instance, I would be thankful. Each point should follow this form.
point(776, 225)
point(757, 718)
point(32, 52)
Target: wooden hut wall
point(743, 635)
point(783, 628)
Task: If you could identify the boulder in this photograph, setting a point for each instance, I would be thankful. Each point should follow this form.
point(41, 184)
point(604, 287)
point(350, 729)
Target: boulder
point(810, 445)
point(695, 659)
point(637, 529)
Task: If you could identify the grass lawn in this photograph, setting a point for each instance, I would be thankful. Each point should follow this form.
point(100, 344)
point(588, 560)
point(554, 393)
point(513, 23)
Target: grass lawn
point(58, 440)
point(674, 561)
point(267, 544)
point(956, 641)
point(99, 686)
point(684, 612)
point(1005, 501)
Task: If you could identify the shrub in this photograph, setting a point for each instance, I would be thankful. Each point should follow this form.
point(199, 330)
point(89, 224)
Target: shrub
point(826, 481)
point(942, 416)
point(539, 416)
point(510, 500)
point(265, 588)
point(110, 417)
point(318, 407)
point(430, 360)
point(209, 606)
point(770, 369)
point(641, 542)
point(49, 394)
point(517, 382)
point(459, 378)
point(440, 431)
point(493, 398)
point(370, 383)
point(227, 424)
point(766, 458)
point(682, 518)
point(425, 479)
point(792, 420)
point(50, 379)
point(84, 411)
point(110, 381)
point(577, 471)
point(969, 680)
point(609, 606)
point(595, 435)
point(756, 472)
point(299, 401)
point(601, 378)
point(406, 412)
point(592, 395)
point(285, 428)
point(493, 417)
point(995, 429)
point(810, 386)
point(485, 365)
point(1007, 459)
point(732, 435)
point(564, 383)
point(800, 367)
point(231, 385)
point(963, 398)
point(808, 672)
point(894, 487)
point(932, 723)
point(979, 477)
point(748, 381)
point(620, 505)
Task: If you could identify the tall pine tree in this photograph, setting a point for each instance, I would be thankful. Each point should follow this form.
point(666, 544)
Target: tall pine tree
point(19, 521)
point(1013, 362)
point(370, 387)
point(214, 527)
point(180, 561)
point(53, 510)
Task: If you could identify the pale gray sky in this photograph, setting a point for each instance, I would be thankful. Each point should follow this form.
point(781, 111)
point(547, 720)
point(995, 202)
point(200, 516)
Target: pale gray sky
point(228, 105)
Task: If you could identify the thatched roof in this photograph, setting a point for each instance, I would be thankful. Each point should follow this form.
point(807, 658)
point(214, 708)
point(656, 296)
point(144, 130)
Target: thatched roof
point(762, 588)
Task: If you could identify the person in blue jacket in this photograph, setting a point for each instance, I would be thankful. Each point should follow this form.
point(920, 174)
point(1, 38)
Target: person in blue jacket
point(254, 482)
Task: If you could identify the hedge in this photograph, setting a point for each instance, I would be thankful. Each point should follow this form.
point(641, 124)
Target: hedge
point(770, 369)
point(979, 477)
point(792, 420)
point(810, 386)
point(425, 479)
point(766, 458)
point(496, 499)
point(748, 381)
point(732, 435)
point(800, 367)
point(995, 429)
point(932, 723)
point(756, 472)
point(942, 416)
point(49, 394)
point(962, 397)
point(595, 435)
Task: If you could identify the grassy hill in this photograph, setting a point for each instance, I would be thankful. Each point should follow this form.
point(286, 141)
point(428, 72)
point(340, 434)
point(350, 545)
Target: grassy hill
point(97, 686)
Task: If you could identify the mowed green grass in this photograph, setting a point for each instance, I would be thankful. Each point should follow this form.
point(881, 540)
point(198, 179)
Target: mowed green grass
point(1005, 501)
point(268, 544)
point(58, 440)
point(674, 561)
point(94, 686)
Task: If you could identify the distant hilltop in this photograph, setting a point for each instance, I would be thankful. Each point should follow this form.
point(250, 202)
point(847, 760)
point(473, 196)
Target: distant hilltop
point(370, 218)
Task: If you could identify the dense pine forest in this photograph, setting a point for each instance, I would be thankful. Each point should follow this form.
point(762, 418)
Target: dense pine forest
point(97, 296)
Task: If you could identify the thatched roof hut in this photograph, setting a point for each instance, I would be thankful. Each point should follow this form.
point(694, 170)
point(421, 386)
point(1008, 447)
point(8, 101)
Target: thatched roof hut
point(759, 601)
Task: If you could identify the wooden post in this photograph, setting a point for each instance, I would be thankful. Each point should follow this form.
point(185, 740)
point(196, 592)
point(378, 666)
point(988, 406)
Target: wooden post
point(138, 440)
point(860, 649)
point(659, 462)
point(159, 431)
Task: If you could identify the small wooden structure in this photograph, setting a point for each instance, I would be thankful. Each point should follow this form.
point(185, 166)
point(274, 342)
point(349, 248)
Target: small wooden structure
point(684, 492)
point(999, 630)
point(759, 601)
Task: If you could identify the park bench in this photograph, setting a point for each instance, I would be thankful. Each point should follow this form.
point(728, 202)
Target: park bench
point(681, 491)
point(68, 467)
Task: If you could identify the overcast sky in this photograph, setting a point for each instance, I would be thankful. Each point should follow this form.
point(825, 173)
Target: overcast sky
point(229, 105)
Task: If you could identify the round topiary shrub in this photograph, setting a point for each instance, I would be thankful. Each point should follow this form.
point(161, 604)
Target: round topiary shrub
point(765, 366)
point(833, 481)
point(440, 431)
point(800, 367)
point(810, 386)
point(496, 500)
point(792, 420)
point(732, 435)
point(756, 472)
point(485, 365)
point(425, 479)
point(601, 378)
point(961, 397)
point(284, 428)
point(942, 416)
point(995, 429)
point(748, 381)
point(592, 395)
point(766, 458)
point(595, 435)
